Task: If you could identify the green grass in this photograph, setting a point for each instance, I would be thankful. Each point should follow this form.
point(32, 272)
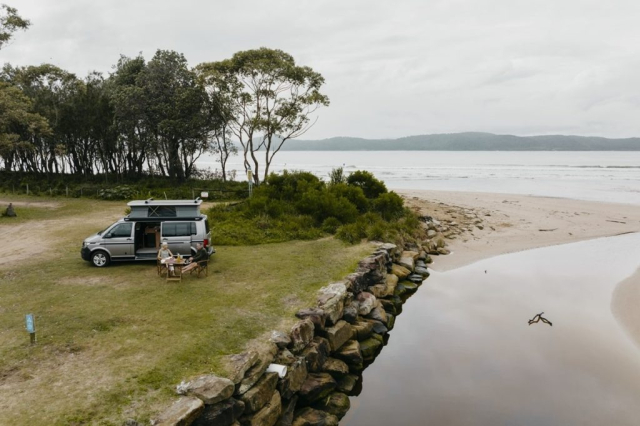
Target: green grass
point(113, 342)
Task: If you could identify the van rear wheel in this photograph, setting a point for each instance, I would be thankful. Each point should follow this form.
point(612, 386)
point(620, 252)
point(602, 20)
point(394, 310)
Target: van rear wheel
point(100, 259)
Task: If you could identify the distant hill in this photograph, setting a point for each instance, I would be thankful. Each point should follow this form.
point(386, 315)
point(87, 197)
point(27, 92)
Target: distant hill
point(471, 141)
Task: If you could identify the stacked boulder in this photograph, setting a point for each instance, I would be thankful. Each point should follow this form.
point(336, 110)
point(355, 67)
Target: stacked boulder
point(324, 353)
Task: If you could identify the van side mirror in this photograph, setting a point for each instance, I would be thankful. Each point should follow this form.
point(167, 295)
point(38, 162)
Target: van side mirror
point(109, 235)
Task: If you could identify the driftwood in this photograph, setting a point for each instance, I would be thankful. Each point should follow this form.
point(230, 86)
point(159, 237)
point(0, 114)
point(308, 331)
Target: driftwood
point(539, 317)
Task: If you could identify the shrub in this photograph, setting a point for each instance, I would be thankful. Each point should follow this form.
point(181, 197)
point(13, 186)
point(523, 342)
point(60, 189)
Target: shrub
point(371, 186)
point(337, 176)
point(354, 194)
point(330, 225)
point(289, 186)
point(324, 204)
point(389, 205)
point(351, 233)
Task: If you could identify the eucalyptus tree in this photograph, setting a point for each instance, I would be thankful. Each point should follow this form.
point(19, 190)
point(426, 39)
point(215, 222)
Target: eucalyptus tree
point(133, 140)
point(176, 113)
point(18, 125)
point(10, 22)
point(273, 100)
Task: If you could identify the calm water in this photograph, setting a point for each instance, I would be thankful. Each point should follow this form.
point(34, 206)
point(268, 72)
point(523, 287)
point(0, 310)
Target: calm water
point(598, 176)
point(462, 352)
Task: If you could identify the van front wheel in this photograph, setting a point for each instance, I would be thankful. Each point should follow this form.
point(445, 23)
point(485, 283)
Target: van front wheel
point(100, 259)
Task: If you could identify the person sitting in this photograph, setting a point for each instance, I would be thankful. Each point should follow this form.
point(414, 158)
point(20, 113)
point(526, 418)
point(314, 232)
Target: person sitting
point(201, 255)
point(9, 212)
point(164, 254)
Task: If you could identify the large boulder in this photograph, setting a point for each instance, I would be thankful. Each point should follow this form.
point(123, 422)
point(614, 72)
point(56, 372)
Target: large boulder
point(410, 286)
point(311, 417)
point(237, 365)
point(378, 327)
point(350, 313)
point(316, 353)
point(363, 329)
point(370, 348)
point(388, 306)
point(267, 416)
point(266, 354)
point(423, 271)
point(374, 267)
point(338, 334)
point(210, 389)
point(337, 404)
point(379, 290)
point(317, 386)
point(356, 282)
point(282, 340)
point(182, 412)
point(331, 300)
point(347, 383)
point(288, 410)
point(391, 282)
point(407, 262)
point(378, 314)
point(366, 302)
point(316, 315)
point(400, 271)
point(256, 397)
point(301, 334)
point(293, 380)
point(224, 413)
point(335, 367)
point(350, 353)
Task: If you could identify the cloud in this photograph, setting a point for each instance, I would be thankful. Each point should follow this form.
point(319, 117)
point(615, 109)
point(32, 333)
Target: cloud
point(392, 68)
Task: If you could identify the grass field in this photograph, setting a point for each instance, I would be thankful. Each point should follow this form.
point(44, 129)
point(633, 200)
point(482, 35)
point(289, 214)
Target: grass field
point(113, 342)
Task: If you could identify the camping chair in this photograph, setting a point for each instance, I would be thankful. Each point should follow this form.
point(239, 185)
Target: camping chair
point(162, 268)
point(203, 267)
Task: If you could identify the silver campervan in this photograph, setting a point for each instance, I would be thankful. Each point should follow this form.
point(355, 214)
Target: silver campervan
point(139, 235)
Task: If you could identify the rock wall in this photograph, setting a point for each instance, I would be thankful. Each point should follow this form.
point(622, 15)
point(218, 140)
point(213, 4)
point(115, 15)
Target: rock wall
point(325, 352)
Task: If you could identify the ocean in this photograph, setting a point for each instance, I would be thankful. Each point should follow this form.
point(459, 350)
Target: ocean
point(609, 176)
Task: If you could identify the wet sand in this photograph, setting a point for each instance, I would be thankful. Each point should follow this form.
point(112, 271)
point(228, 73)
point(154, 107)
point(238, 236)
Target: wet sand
point(462, 352)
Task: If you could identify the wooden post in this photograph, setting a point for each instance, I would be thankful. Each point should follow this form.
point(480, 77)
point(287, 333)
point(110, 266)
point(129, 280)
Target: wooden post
point(67, 190)
point(33, 338)
point(27, 189)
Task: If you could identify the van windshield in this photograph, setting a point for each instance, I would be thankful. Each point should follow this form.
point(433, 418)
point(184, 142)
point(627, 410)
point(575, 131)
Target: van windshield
point(103, 231)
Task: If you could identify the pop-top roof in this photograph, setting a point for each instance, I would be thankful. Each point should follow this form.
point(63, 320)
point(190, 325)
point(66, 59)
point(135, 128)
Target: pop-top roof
point(152, 202)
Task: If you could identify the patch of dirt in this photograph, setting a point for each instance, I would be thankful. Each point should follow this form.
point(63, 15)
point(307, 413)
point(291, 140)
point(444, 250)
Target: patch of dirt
point(38, 204)
point(37, 237)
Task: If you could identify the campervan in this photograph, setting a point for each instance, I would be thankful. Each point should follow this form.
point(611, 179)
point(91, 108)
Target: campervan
point(138, 236)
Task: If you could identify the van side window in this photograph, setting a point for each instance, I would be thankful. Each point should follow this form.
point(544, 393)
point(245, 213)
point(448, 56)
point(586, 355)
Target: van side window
point(121, 230)
point(178, 229)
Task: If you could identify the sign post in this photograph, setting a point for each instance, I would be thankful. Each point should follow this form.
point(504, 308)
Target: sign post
point(30, 323)
point(250, 179)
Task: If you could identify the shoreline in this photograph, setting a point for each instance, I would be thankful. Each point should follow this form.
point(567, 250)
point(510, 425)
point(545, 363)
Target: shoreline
point(524, 222)
point(510, 223)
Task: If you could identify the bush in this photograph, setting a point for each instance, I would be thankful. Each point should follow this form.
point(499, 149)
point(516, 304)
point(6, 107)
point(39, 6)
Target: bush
point(389, 205)
point(297, 205)
point(337, 176)
point(371, 186)
point(330, 225)
point(354, 194)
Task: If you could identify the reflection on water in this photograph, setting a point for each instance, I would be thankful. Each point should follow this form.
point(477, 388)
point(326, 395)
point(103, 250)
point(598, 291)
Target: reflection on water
point(462, 352)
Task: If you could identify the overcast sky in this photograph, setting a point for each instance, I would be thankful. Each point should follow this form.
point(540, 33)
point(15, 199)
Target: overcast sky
point(392, 68)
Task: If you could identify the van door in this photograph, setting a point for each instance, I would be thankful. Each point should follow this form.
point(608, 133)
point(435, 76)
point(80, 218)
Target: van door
point(178, 236)
point(119, 241)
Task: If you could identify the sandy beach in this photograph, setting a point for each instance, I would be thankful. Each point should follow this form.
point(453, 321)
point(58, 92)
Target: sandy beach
point(513, 223)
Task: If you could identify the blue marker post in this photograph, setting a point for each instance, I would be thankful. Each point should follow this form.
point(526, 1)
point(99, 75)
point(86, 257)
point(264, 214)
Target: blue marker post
point(31, 327)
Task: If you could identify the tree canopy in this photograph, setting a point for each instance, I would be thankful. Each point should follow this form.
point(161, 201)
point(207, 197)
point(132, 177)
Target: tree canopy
point(271, 100)
point(157, 117)
point(10, 22)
